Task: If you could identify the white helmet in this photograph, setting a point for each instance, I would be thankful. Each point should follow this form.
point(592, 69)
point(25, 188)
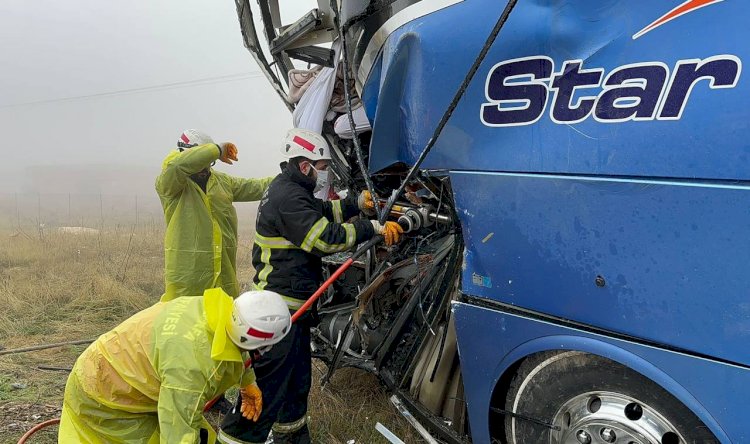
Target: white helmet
point(260, 319)
point(305, 143)
point(191, 137)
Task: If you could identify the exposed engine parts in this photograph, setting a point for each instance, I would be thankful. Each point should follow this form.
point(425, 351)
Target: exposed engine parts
point(416, 218)
point(412, 217)
point(384, 313)
point(389, 312)
point(361, 315)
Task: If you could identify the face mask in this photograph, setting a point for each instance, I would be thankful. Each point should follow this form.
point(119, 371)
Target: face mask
point(322, 180)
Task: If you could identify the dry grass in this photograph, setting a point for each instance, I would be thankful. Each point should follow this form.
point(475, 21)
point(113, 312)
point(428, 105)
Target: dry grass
point(60, 287)
point(350, 406)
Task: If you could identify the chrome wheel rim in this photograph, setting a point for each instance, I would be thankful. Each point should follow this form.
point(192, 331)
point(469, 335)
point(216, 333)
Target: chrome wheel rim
point(606, 418)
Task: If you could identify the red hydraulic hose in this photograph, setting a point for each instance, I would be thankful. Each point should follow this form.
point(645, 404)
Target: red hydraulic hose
point(336, 274)
point(347, 263)
point(306, 306)
point(37, 428)
point(309, 302)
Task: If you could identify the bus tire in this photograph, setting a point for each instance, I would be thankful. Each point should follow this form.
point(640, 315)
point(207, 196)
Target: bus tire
point(593, 400)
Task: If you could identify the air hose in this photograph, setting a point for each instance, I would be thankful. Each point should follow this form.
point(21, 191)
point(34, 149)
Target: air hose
point(350, 116)
point(319, 292)
point(449, 111)
point(37, 428)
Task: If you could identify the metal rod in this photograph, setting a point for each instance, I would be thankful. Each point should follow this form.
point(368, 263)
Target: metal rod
point(412, 420)
point(390, 436)
point(400, 208)
point(439, 218)
point(44, 347)
point(250, 39)
point(343, 342)
point(58, 369)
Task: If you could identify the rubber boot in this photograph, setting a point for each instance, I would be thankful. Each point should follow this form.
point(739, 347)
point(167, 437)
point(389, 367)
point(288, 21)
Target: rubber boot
point(301, 436)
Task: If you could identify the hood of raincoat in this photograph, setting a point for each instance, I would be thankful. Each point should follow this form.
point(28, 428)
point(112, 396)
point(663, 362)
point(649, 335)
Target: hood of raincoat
point(168, 359)
point(218, 307)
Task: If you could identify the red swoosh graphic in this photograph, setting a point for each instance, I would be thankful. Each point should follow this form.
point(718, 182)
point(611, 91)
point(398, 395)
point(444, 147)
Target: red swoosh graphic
point(688, 6)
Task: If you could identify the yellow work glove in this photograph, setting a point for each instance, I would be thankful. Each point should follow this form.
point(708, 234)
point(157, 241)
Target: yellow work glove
point(252, 402)
point(365, 203)
point(228, 152)
point(391, 231)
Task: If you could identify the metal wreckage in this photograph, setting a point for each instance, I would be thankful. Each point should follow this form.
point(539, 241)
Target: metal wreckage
point(514, 140)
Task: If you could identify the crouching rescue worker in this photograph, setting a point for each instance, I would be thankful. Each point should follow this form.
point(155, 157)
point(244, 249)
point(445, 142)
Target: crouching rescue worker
point(148, 379)
point(200, 243)
point(293, 231)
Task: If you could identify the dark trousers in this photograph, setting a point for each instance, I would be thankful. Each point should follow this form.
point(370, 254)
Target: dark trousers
point(283, 375)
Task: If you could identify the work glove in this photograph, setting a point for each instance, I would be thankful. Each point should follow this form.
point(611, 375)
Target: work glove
point(366, 203)
point(228, 152)
point(252, 402)
point(391, 231)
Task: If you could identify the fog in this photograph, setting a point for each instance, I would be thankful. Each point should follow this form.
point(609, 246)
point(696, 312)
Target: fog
point(94, 94)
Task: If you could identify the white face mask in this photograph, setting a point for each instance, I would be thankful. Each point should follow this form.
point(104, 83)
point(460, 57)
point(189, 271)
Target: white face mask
point(322, 180)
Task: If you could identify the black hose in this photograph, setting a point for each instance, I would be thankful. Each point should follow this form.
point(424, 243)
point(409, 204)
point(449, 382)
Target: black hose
point(448, 112)
point(337, 354)
point(348, 99)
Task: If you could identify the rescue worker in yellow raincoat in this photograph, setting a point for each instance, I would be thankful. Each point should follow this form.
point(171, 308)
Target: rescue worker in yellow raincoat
point(148, 379)
point(200, 243)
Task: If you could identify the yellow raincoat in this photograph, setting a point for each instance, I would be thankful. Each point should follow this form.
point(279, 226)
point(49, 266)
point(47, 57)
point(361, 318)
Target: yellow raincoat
point(147, 380)
point(200, 244)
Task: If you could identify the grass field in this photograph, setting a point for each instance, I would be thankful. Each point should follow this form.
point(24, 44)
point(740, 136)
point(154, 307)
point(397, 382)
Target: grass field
point(57, 287)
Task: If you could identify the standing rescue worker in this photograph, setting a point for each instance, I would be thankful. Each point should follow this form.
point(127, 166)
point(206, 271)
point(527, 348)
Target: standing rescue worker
point(293, 231)
point(148, 379)
point(200, 243)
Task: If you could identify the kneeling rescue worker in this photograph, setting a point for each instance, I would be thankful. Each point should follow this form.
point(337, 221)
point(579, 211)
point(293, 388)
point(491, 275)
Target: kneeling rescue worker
point(293, 231)
point(148, 379)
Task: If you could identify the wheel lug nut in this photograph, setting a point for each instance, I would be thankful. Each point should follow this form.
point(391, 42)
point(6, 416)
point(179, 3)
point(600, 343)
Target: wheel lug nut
point(608, 435)
point(583, 437)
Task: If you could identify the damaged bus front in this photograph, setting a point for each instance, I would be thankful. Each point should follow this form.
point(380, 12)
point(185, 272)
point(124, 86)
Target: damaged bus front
point(573, 177)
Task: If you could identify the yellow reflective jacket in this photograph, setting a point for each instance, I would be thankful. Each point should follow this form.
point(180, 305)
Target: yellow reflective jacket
point(200, 243)
point(149, 378)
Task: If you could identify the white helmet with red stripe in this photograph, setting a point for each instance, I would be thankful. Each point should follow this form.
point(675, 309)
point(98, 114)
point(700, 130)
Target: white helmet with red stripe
point(305, 143)
point(191, 137)
point(260, 319)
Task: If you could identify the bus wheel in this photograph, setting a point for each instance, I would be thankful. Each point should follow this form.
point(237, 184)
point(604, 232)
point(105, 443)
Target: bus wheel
point(578, 398)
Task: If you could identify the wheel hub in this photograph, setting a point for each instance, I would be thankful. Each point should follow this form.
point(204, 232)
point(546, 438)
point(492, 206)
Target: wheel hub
point(606, 418)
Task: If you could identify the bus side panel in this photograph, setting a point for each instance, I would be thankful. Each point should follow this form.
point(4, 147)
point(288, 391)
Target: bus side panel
point(490, 341)
point(662, 261)
point(423, 62)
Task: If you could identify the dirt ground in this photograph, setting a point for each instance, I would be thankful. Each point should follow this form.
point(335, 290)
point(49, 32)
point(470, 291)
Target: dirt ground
point(18, 417)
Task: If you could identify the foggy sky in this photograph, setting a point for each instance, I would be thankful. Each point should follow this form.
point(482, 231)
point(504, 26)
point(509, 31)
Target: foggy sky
point(54, 50)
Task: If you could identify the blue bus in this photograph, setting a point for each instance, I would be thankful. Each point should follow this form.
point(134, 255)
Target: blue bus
point(575, 180)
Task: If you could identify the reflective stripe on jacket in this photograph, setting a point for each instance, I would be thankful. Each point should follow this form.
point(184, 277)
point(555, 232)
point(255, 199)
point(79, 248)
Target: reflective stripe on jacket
point(294, 230)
